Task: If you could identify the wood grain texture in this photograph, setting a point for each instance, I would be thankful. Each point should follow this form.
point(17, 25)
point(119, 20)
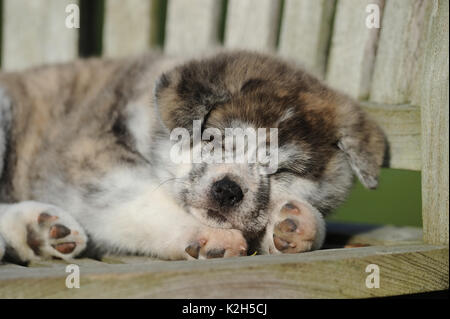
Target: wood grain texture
point(305, 33)
point(192, 26)
point(340, 234)
point(402, 126)
point(126, 28)
point(399, 51)
point(435, 129)
point(252, 24)
point(334, 273)
point(353, 48)
point(34, 32)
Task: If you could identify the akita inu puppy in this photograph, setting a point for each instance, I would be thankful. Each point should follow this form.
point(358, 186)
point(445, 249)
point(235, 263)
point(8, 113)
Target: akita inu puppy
point(85, 158)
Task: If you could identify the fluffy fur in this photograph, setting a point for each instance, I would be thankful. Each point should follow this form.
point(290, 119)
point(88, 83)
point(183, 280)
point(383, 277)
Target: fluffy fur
point(87, 143)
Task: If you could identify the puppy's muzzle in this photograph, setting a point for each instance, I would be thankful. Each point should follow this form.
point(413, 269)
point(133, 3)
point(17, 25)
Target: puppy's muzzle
point(226, 192)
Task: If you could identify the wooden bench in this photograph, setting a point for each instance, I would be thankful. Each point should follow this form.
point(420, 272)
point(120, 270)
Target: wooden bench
point(399, 72)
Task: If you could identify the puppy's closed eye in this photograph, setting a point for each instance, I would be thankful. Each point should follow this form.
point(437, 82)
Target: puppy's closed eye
point(189, 92)
point(287, 170)
point(252, 84)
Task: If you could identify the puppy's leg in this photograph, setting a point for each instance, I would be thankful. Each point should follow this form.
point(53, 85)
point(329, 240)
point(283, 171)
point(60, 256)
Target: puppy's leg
point(33, 230)
point(295, 227)
point(215, 243)
point(155, 225)
point(174, 234)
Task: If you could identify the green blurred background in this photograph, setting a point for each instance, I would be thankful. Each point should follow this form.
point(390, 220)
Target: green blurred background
point(397, 201)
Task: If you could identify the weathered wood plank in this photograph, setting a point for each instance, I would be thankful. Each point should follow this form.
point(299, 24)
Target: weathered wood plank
point(34, 32)
point(56, 263)
point(415, 85)
point(305, 33)
point(192, 26)
point(402, 125)
point(415, 75)
point(342, 234)
point(435, 129)
point(399, 51)
point(113, 259)
point(6, 266)
point(127, 27)
point(334, 273)
point(353, 48)
point(252, 24)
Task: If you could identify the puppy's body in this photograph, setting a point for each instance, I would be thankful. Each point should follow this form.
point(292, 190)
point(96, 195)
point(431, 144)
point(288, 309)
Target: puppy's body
point(88, 142)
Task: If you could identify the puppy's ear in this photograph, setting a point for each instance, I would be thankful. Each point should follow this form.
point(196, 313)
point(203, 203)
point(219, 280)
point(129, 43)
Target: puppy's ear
point(189, 92)
point(365, 146)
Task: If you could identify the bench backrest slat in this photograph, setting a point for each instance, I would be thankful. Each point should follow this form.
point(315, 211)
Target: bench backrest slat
point(126, 27)
point(257, 31)
point(34, 32)
point(192, 26)
point(352, 48)
point(305, 32)
point(399, 51)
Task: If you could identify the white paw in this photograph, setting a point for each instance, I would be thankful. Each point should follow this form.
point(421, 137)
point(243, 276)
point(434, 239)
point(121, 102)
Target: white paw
point(35, 230)
point(297, 227)
point(217, 243)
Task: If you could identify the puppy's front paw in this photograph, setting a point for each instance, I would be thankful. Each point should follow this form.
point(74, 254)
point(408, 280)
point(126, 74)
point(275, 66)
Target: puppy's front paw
point(34, 230)
point(217, 243)
point(298, 228)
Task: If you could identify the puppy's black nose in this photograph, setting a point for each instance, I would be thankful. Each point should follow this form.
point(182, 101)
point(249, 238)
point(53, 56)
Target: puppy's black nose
point(226, 192)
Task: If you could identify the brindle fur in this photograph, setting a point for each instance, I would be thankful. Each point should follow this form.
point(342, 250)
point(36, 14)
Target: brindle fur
point(69, 127)
point(326, 125)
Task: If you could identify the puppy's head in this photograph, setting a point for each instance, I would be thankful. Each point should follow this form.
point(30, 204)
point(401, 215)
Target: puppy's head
point(322, 139)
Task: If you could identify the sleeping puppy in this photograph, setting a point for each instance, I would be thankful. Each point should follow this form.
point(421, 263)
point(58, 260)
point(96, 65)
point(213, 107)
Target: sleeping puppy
point(87, 149)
